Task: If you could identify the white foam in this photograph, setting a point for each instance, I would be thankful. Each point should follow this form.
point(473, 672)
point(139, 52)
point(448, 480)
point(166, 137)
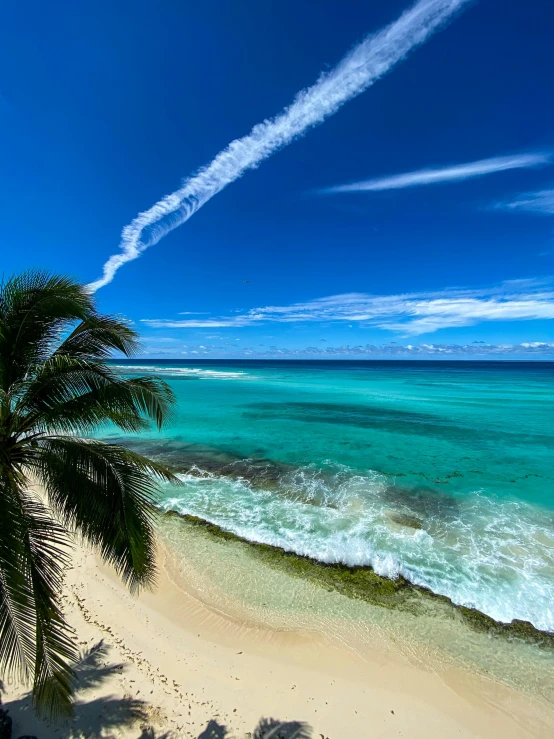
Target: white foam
point(494, 556)
point(200, 373)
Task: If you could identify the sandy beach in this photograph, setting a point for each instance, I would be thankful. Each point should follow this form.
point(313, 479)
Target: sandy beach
point(166, 664)
point(277, 370)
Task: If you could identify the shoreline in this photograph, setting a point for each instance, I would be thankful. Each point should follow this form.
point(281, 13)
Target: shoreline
point(171, 662)
point(486, 555)
point(364, 583)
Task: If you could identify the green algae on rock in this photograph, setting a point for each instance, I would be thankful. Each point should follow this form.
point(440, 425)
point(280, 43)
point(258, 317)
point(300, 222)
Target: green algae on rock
point(363, 583)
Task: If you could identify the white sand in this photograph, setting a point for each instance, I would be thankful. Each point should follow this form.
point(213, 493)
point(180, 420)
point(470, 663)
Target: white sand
point(169, 665)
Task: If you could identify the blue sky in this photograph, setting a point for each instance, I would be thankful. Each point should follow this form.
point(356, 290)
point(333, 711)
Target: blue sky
point(417, 207)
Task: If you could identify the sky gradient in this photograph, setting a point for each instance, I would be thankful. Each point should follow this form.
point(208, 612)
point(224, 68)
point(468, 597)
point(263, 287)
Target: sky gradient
point(384, 173)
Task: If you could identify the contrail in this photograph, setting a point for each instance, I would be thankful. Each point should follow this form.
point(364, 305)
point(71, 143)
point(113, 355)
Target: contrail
point(454, 173)
point(360, 68)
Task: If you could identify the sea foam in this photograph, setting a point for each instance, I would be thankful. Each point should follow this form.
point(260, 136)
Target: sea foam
point(495, 556)
point(177, 372)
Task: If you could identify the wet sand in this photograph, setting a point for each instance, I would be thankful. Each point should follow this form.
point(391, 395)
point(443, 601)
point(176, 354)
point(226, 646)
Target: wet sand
point(189, 660)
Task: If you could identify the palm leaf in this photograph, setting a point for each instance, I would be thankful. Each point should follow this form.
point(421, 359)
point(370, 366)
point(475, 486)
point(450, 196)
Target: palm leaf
point(46, 542)
point(97, 337)
point(106, 493)
point(34, 637)
point(17, 614)
point(79, 394)
point(35, 308)
point(55, 386)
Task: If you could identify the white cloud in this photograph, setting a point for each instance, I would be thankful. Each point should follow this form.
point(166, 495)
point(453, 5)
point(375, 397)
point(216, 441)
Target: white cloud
point(162, 339)
point(475, 350)
point(408, 314)
point(541, 201)
point(156, 351)
point(453, 173)
point(359, 69)
point(232, 321)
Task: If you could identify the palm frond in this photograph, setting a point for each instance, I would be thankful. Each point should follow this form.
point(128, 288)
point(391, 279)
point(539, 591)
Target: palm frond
point(56, 386)
point(78, 395)
point(106, 493)
point(17, 615)
point(151, 396)
point(55, 649)
point(37, 622)
point(35, 308)
point(97, 336)
point(57, 380)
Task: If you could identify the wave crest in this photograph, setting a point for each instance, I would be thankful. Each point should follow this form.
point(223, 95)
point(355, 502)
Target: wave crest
point(495, 556)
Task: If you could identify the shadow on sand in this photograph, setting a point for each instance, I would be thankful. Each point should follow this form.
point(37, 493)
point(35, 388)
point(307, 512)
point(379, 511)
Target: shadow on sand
point(107, 716)
point(93, 719)
point(268, 728)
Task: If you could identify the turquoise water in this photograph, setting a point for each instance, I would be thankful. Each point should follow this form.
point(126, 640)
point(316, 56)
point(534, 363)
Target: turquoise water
point(440, 471)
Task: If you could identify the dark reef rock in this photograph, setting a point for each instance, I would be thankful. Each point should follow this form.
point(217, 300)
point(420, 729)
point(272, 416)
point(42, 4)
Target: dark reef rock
point(403, 519)
point(364, 583)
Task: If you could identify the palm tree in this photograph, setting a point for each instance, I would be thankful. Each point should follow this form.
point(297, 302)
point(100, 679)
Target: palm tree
point(55, 390)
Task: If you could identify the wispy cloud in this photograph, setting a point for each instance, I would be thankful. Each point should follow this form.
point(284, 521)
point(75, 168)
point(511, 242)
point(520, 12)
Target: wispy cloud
point(409, 314)
point(163, 339)
point(475, 350)
point(452, 173)
point(359, 69)
point(541, 201)
point(222, 322)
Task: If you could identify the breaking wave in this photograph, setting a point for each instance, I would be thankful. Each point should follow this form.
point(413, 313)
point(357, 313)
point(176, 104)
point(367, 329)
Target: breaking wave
point(181, 372)
point(496, 556)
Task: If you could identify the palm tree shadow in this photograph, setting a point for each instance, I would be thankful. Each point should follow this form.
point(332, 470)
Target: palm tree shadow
point(270, 728)
point(105, 717)
point(94, 719)
point(149, 733)
point(267, 728)
point(90, 671)
point(213, 730)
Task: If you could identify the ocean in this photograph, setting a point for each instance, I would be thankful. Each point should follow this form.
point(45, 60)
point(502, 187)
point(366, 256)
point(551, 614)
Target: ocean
point(442, 472)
